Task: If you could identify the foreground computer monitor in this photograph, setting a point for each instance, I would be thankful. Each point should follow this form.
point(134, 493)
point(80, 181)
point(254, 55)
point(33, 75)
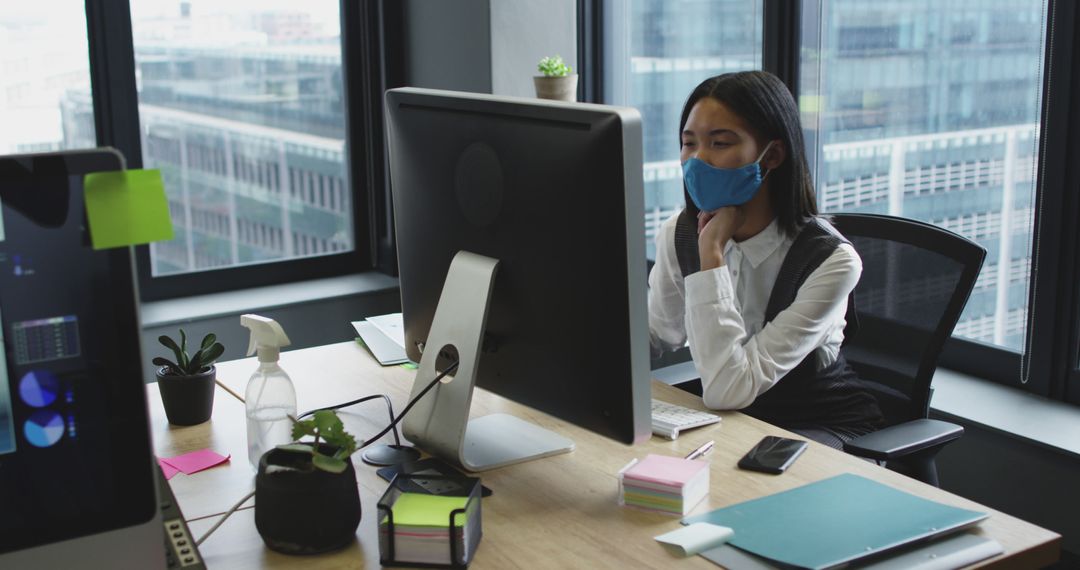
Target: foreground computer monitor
point(77, 486)
point(546, 197)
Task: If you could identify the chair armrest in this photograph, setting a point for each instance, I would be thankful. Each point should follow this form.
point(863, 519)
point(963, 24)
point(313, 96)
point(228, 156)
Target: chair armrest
point(904, 439)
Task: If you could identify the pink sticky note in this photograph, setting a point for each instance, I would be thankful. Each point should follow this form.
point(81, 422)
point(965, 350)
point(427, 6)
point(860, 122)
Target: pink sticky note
point(167, 469)
point(196, 460)
point(665, 470)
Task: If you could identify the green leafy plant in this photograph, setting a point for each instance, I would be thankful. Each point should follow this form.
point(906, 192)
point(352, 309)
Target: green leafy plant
point(326, 427)
point(209, 351)
point(554, 67)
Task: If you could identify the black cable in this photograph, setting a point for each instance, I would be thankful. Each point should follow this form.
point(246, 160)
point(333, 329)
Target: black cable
point(389, 407)
point(394, 421)
point(408, 407)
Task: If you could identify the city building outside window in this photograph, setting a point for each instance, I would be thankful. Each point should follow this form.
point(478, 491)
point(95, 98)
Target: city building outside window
point(930, 110)
point(921, 109)
point(242, 108)
point(45, 100)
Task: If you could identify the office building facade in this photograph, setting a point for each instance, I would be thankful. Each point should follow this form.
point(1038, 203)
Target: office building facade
point(246, 123)
point(914, 108)
point(920, 109)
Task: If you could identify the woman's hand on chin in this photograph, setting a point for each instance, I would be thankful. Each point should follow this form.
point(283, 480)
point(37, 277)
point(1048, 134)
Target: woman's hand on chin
point(715, 229)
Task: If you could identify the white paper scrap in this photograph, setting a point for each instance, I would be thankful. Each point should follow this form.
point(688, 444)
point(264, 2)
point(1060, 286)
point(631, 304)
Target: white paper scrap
point(692, 539)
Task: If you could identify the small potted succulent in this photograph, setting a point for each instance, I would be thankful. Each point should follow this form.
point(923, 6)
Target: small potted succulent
point(558, 81)
point(306, 500)
point(187, 384)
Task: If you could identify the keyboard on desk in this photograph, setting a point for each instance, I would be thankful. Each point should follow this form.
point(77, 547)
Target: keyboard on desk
point(669, 419)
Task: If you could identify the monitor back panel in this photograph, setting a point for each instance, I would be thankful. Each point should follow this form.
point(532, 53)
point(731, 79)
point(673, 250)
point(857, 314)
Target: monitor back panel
point(553, 191)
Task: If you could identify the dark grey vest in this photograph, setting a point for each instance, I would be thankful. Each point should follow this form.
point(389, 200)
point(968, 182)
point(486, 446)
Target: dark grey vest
point(805, 397)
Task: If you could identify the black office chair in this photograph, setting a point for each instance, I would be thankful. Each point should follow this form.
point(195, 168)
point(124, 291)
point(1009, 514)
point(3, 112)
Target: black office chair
point(916, 280)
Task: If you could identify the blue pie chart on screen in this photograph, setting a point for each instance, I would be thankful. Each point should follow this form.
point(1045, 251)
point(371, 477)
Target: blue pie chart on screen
point(44, 428)
point(39, 388)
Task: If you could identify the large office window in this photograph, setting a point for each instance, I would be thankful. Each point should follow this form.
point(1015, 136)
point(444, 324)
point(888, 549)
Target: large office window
point(930, 110)
point(960, 114)
point(656, 52)
point(263, 116)
point(242, 107)
point(44, 77)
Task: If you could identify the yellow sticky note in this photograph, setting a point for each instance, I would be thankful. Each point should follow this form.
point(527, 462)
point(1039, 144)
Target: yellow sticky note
point(126, 207)
point(417, 509)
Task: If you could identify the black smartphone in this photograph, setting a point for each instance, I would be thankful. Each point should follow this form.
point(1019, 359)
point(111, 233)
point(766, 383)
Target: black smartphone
point(772, 454)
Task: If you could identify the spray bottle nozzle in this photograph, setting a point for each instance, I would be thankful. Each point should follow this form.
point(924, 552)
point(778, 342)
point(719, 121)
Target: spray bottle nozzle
point(267, 336)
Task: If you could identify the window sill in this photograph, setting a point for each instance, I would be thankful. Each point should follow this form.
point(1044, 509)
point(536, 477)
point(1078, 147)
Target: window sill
point(1047, 423)
point(181, 310)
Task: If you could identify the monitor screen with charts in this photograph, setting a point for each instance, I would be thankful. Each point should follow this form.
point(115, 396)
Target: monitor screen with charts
point(76, 460)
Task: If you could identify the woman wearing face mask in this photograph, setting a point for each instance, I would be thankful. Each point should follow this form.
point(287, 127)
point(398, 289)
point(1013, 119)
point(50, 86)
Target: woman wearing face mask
point(750, 275)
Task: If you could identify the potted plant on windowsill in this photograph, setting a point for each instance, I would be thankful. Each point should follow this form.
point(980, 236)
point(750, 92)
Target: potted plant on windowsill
point(187, 385)
point(558, 81)
point(306, 500)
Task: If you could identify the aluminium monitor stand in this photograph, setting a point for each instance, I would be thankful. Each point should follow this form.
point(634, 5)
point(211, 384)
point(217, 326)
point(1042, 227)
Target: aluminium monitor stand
point(439, 422)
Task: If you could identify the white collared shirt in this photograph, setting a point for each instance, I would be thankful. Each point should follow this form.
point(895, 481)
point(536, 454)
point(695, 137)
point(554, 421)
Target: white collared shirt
point(721, 313)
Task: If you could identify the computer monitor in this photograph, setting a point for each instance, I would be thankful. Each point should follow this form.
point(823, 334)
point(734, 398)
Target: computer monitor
point(547, 198)
point(77, 485)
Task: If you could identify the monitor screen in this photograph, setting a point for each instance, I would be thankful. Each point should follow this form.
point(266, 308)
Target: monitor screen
point(75, 452)
point(553, 191)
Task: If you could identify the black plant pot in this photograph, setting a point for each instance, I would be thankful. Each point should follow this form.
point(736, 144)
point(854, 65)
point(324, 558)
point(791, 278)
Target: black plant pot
point(305, 512)
point(188, 400)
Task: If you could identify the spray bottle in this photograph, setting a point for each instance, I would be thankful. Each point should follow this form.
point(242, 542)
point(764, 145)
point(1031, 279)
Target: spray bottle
point(270, 397)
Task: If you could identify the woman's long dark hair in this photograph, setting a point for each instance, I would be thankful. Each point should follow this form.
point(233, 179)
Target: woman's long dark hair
point(765, 103)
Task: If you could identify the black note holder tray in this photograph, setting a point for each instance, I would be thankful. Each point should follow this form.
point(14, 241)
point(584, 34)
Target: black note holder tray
point(391, 555)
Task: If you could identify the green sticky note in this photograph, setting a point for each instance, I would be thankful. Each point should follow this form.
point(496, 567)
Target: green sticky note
point(126, 207)
point(420, 509)
point(410, 365)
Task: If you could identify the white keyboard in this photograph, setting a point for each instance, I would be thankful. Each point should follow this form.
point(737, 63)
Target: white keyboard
point(668, 419)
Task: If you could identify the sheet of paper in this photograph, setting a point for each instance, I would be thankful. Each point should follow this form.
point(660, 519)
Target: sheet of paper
point(692, 539)
point(385, 350)
point(126, 207)
point(392, 325)
point(955, 551)
point(196, 460)
point(167, 470)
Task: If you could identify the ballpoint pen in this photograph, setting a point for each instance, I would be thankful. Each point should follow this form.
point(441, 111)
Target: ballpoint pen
point(705, 448)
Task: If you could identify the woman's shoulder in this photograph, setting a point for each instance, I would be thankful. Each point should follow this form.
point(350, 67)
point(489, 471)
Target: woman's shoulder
point(825, 223)
point(844, 250)
point(845, 255)
point(666, 231)
point(669, 223)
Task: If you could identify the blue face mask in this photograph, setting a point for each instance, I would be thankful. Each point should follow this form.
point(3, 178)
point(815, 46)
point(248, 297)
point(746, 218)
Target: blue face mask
point(712, 188)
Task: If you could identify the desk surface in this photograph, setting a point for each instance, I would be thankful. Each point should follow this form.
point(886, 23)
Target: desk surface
point(555, 512)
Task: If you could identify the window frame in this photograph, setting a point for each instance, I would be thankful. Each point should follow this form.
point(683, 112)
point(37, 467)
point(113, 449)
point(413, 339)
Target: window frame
point(1052, 364)
point(1054, 324)
point(365, 44)
point(590, 49)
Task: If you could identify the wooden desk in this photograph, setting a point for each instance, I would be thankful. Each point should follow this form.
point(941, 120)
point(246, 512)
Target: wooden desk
point(558, 512)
